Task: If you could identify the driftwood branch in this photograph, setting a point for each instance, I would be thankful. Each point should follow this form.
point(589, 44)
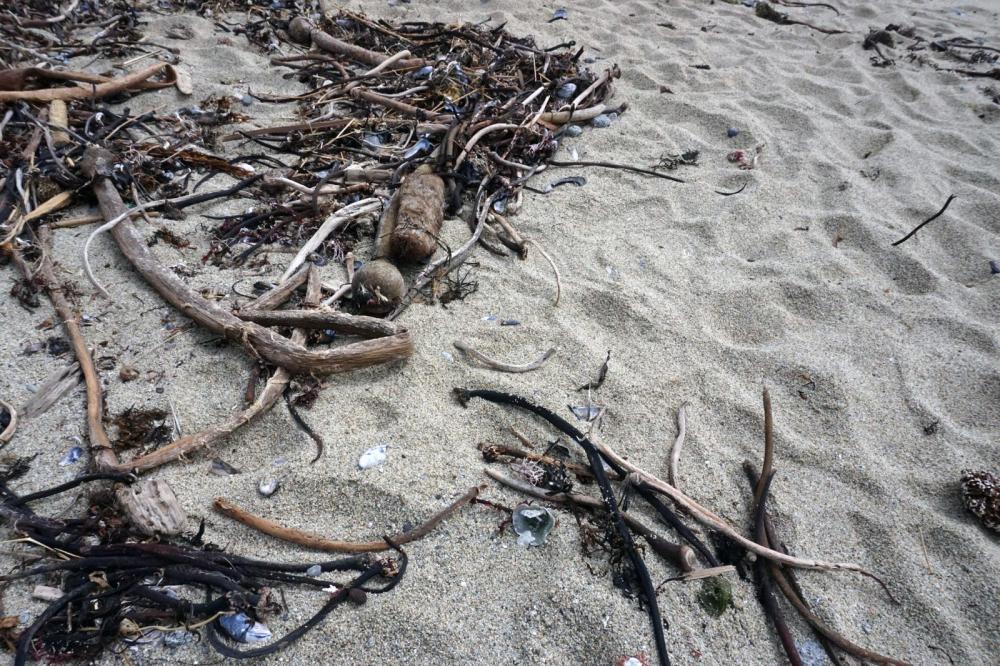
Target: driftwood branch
point(316, 542)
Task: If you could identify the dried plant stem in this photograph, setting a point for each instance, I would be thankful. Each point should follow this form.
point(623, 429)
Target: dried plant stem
point(500, 365)
point(137, 80)
point(273, 390)
point(332, 223)
point(675, 452)
point(708, 518)
point(552, 263)
point(496, 127)
point(316, 542)
point(492, 450)
point(768, 448)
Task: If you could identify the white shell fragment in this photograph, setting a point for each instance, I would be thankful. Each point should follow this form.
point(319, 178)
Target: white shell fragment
point(532, 524)
point(373, 457)
point(268, 486)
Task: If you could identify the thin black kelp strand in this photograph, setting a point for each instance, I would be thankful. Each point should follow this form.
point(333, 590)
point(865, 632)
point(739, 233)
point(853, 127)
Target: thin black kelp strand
point(607, 494)
point(216, 641)
point(24, 642)
point(765, 591)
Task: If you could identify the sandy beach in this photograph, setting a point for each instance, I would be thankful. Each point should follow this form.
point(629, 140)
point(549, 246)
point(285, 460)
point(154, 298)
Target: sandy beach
point(881, 361)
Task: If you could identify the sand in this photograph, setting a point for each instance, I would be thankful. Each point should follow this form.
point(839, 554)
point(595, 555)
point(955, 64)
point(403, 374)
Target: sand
point(792, 284)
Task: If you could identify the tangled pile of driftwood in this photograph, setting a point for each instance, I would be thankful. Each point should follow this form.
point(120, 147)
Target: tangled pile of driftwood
point(407, 124)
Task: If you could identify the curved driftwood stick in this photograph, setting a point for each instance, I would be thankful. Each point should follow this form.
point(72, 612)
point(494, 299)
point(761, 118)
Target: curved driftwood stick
point(260, 341)
point(501, 366)
point(135, 81)
point(396, 105)
point(366, 327)
point(104, 455)
point(316, 542)
point(8, 432)
point(681, 556)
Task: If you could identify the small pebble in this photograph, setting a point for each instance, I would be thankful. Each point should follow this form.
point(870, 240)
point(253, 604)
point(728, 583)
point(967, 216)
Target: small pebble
point(246, 100)
point(994, 268)
point(732, 132)
point(373, 457)
point(566, 90)
point(601, 121)
point(268, 486)
point(573, 130)
point(314, 571)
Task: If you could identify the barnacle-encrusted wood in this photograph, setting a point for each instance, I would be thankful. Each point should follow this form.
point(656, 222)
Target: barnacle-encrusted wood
point(981, 496)
point(152, 506)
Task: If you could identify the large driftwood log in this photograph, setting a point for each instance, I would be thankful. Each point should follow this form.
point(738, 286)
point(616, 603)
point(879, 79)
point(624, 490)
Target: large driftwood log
point(260, 341)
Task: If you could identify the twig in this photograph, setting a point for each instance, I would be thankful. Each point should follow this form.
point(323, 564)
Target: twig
point(768, 464)
point(925, 222)
point(555, 269)
point(500, 365)
point(496, 127)
point(675, 452)
point(137, 80)
point(613, 165)
point(332, 223)
point(491, 451)
point(315, 542)
point(104, 455)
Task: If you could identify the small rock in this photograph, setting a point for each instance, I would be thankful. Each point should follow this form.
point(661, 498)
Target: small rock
point(732, 132)
point(268, 486)
point(373, 457)
point(601, 121)
point(246, 100)
point(314, 571)
point(566, 90)
point(573, 130)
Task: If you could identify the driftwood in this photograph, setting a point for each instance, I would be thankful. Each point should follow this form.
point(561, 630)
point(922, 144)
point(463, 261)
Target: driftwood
point(52, 389)
point(419, 214)
point(316, 542)
point(152, 507)
point(366, 327)
point(260, 341)
point(302, 31)
point(135, 81)
point(104, 455)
